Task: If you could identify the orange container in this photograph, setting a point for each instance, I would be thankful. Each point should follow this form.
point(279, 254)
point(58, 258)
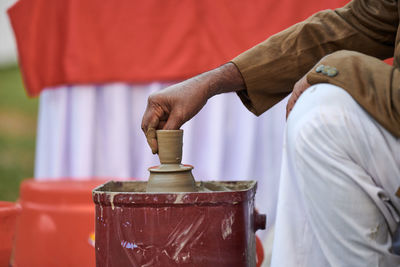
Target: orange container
point(259, 251)
point(8, 216)
point(56, 225)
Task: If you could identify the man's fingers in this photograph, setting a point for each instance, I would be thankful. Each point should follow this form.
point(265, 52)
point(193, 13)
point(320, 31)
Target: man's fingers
point(155, 123)
point(154, 118)
point(161, 124)
point(287, 108)
point(290, 104)
point(147, 116)
point(152, 140)
point(174, 122)
point(298, 90)
point(149, 128)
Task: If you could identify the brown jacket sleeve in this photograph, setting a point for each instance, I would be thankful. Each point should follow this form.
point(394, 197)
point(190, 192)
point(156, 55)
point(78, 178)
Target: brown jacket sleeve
point(271, 68)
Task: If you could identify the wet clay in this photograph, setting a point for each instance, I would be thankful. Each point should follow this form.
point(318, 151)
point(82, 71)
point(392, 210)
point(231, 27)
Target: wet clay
point(118, 187)
point(170, 175)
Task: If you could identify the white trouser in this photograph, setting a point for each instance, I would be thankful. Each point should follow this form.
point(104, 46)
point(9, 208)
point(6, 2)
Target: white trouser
point(340, 170)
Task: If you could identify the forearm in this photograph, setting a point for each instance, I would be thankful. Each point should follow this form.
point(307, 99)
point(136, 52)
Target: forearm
point(223, 79)
point(171, 107)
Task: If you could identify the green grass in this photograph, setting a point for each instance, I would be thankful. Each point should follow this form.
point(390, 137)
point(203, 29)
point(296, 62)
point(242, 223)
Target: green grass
point(18, 115)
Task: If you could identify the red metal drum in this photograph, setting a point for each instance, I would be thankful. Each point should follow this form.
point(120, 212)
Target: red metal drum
point(8, 217)
point(213, 227)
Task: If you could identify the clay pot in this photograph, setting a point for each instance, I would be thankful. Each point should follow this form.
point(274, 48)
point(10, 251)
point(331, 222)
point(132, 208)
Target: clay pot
point(171, 175)
point(170, 144)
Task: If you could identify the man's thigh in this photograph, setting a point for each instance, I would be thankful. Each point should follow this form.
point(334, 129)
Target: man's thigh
point(348, 170)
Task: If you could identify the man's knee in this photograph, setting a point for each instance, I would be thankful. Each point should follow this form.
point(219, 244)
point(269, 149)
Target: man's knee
point(326, 99)
point(321, 122)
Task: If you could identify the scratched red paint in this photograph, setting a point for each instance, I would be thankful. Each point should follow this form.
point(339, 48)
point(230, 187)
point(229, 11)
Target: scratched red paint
point(208, 228)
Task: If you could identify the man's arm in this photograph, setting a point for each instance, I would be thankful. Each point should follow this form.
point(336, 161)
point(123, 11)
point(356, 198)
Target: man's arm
point(268, 71)
point(170, 108)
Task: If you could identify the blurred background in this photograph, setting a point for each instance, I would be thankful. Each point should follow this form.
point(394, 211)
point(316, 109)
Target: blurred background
point(93, 85)
point(93, 66)
point(18, 115)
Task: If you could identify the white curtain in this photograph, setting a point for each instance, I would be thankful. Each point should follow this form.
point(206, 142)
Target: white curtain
point(94, 132)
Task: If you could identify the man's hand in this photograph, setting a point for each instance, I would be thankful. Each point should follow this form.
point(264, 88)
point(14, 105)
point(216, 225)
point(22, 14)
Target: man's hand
point(168, 109)
point(298, 89)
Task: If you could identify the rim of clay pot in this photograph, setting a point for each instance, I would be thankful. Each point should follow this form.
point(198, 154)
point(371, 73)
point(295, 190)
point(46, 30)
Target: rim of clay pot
point(164, 131)
point(169, 168)
point(7, 207)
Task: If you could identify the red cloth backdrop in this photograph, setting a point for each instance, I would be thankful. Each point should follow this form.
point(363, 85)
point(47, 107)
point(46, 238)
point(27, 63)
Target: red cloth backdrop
point(100, 41)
